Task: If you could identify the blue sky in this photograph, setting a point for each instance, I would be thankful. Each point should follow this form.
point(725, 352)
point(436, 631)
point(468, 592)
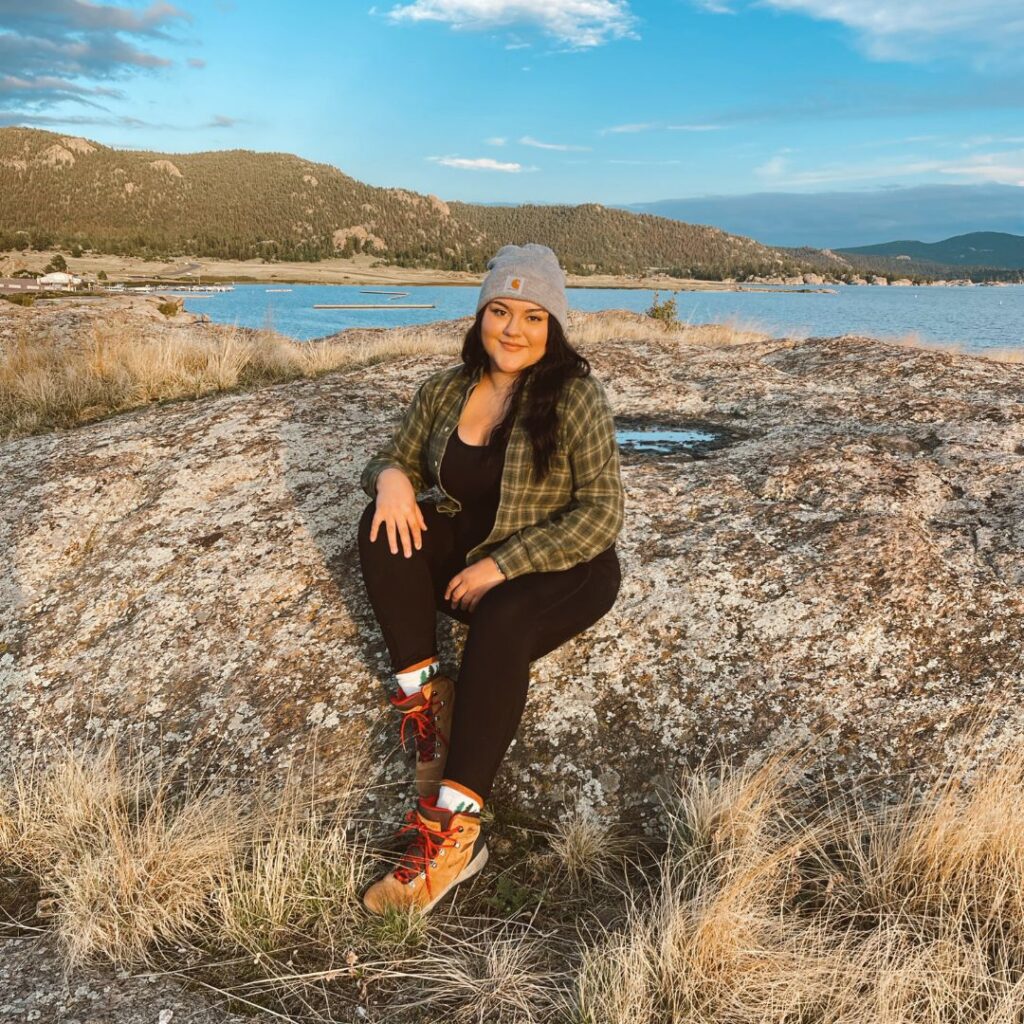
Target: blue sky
point(610, 101)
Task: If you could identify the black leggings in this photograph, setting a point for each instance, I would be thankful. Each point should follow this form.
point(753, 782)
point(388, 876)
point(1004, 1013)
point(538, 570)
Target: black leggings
point(513, 624)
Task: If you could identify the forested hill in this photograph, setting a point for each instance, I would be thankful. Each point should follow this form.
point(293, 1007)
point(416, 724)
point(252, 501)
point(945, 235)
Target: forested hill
point(62, 191)
point(978, 248)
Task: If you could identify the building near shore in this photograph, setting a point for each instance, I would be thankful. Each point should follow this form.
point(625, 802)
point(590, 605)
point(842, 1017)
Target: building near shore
point(59, 282)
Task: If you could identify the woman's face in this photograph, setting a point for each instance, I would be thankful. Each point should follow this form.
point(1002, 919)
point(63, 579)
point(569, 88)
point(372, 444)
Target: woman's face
point(515, 334)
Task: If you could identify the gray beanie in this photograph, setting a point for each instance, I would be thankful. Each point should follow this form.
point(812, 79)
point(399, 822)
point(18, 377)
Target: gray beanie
point(528, 272)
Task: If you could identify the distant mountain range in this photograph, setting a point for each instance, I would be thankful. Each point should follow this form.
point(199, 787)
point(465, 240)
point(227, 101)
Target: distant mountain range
point(979, 248)
point(65, 191)
point(843, 219)
point(59, 191)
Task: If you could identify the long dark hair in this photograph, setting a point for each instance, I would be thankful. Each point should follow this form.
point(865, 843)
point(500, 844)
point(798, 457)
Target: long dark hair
point(547, 376)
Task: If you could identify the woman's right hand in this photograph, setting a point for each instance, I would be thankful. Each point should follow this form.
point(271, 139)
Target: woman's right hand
point(398, 511)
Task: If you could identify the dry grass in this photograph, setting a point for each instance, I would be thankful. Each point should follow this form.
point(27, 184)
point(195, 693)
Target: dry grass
point(907, 912)
point(303, 868)
point(913, 339)
point(911, 913)
point(45, 383)
point(124, 858)
point(622, 325)
point(1003, 355)
point(585, 848)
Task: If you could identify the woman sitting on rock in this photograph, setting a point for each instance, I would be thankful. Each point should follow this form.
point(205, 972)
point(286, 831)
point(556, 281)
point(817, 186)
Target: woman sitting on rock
point(519, 439)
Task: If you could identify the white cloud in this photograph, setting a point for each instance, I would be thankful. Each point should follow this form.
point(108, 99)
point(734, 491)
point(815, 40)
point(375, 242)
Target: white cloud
point(1001, 168)
point(580, 23)
point(562, 147)
point(482, 163)
point(987, 140)
point(1005, 168)
point(694, 127)
point(773, 167)
point(628, 128)
point(496, 140)
point(920, 28)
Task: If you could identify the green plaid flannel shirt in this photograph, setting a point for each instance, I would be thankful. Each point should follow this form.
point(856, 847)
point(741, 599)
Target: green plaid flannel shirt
point(567, 518)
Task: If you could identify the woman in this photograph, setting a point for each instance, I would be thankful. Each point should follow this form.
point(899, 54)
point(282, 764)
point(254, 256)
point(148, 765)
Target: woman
point(519, 438)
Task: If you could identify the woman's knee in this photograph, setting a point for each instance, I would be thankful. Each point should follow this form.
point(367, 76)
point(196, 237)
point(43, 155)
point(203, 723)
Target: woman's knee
point(503, 613)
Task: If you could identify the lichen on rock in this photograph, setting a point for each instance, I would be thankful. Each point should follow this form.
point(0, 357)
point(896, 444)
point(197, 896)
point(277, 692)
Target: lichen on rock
point(847, 572)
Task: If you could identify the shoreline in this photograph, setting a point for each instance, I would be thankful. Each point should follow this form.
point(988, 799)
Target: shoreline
point(360, 270)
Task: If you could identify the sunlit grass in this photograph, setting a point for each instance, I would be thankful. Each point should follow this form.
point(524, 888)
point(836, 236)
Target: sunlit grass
point(751, 905)
point(45, 383)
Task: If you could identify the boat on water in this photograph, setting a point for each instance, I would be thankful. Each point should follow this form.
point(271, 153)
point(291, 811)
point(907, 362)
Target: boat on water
point(368, 305)
point(192, 288)
point(380, 291)
point(277, 289)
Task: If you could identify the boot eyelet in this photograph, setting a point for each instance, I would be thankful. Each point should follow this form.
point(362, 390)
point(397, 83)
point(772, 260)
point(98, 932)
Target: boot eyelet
point(456, 846)
point(433, 863)
point(460, 828)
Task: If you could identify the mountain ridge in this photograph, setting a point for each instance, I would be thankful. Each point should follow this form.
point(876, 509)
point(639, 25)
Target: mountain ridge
point(842, 219)
point(71, 191)
point(976, 248)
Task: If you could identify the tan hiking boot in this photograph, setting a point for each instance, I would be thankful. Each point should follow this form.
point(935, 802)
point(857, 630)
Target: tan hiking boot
point(429, 713)
point(446, 848)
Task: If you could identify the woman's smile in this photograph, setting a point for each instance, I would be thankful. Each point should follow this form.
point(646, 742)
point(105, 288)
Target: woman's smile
point(514, 334)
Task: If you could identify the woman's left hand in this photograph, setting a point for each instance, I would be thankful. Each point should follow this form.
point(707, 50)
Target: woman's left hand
point(466, 588)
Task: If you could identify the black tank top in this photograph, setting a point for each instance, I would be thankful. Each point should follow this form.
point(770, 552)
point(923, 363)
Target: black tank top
point(475, 482)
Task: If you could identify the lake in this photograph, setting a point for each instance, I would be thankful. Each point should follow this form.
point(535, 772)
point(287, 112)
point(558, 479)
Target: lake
point(976, 317)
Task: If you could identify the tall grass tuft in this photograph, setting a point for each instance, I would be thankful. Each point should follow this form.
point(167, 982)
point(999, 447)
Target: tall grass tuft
point(913, 912)
point(585, 848)
point(124, 856)
point(303, 868)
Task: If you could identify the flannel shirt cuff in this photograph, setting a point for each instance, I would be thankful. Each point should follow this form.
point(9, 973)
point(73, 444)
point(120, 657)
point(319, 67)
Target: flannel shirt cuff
point(512, 558)
point(377, 466)
point(369, 480)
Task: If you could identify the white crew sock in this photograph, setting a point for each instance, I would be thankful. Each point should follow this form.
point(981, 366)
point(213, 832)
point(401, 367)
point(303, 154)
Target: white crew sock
point(412, 681)
point(460, 800)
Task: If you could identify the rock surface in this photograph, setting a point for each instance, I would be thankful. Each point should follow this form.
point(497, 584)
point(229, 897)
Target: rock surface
point(72, 319)
point(853, 566)
point(849, 572)
point(33, 988)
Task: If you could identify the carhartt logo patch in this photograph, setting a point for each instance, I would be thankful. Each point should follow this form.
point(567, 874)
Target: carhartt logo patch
point(514, 284)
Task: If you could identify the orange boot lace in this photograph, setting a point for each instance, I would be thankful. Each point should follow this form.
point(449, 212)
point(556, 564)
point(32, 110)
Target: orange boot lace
point(425, 725)
point(425, 847)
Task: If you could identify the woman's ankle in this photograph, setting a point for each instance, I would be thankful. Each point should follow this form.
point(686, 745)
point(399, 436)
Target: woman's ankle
point(412, 679)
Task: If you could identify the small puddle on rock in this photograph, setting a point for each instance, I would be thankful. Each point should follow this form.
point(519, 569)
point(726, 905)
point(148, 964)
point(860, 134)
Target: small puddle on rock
point(692, 439)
